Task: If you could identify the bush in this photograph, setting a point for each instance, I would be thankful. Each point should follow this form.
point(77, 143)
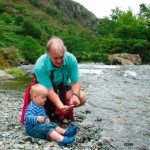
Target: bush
point(6, 18)
point(18, 20)
point(2, 8)
point(34, 2)
point(96, 57)
point(3, 62)
point(30, 49)
point(44, 37)
point(51, 11)
point(31, 29)
point(1, 31)
point(9, 57)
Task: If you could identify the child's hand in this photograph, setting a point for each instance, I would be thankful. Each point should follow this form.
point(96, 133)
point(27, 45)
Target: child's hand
point(40, 119)
point(47, 120)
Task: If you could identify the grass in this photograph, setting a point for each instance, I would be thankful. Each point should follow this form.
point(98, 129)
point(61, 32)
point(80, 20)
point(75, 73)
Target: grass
point(15, 71)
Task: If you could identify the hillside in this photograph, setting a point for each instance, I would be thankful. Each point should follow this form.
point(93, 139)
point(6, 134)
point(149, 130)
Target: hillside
point(35, 21)
point(77, 12)
point(46, 17)
point(26, 26)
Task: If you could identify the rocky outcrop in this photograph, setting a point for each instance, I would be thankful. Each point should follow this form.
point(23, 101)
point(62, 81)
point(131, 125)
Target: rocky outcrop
point(124, 59)
point(78, 12)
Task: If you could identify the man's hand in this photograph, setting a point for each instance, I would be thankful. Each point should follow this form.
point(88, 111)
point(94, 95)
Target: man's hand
point(66, 108)
point(40, 119)
point(74, 100)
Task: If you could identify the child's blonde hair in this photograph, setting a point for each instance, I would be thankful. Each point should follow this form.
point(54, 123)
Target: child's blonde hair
point(37, 89)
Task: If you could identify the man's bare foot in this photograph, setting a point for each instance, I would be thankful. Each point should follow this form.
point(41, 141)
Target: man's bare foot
point(63, 119)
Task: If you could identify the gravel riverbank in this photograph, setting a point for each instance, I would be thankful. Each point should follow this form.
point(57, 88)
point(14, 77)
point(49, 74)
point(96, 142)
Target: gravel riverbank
point(115, 117)
point(13, 136)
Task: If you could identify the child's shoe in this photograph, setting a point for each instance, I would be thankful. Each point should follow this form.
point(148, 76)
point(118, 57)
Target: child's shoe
point(66, 140)
point(71, 131)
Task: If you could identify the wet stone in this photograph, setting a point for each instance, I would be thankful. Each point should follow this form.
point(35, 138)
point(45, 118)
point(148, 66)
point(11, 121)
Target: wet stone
point(98, 118)
point(88, 112)
point(100, 142)
point(128, 144)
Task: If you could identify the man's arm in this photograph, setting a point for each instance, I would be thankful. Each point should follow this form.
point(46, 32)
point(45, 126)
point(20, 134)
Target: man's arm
point(75, 88)
point(54, 98)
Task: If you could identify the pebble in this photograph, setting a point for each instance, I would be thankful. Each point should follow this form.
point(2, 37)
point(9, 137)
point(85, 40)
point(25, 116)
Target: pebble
point(13, 136)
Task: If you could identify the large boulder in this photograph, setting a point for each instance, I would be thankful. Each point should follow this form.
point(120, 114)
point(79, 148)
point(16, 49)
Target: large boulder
point(5, 76)
point(124, 59)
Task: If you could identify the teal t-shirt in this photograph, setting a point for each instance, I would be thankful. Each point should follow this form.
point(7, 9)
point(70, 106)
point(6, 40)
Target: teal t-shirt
point(67, 73)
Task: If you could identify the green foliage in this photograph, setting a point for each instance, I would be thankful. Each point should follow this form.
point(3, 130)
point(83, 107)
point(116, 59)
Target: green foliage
point(117, 45)
point(34, 2)
point(125, 33)
point(57, 3)
point(6, 18)
point(128, 26)
point(2, 8)
point(76, 44)
point(142, 47)
point(30, 49)
point(105, 27)
point(31, 29)
point(21, 9)
point(51, 11)
point(91, 56)
point(111, 45)
point(18, 20)
point(1, 31)
point(97, 57)
point(1, 68)
point(44, 37)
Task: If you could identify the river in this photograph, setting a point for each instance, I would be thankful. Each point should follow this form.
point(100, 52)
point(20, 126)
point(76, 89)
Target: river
point(120, 95)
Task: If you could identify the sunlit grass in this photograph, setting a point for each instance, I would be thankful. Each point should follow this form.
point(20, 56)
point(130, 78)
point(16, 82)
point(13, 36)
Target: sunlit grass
point(15, 71)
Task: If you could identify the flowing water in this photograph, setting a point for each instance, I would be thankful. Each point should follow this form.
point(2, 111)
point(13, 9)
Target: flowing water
point(120, 95)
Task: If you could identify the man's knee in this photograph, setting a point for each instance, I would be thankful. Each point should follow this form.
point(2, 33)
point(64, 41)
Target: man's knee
point(83, 99)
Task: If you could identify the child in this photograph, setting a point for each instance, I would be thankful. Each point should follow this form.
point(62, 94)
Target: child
point(37, 123)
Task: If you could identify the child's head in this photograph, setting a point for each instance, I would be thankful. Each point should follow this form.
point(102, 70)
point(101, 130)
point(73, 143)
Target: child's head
point(38, 94)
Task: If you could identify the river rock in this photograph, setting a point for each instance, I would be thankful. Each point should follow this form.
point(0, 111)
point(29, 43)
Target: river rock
point(5, 76)
point(124, 59)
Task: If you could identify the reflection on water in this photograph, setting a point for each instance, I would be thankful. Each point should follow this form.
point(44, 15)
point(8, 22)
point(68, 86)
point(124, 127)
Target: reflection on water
point(19, 83)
